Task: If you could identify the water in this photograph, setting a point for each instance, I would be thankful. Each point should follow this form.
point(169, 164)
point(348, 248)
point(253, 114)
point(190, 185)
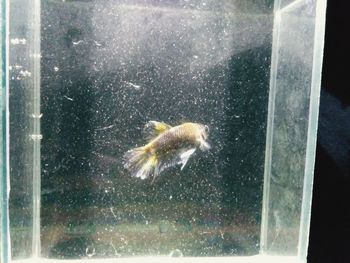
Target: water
point(109, 67)
point(84, 77)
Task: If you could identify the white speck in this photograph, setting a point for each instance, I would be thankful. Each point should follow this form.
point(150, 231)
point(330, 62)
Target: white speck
point(237, 116)
point(36, 55)
point(115, 251)
point(36, 136)
point(195, 56)
point(114, 215)
point(56, 69)
point(18, 41)
point(90, 252)
point(170, 197)
point(105, 128)
point(97, 43)
point(135, 86)
point(68, 98)
point(25, 73)
point(37, 116)
point(176, 253)
point(77, 42)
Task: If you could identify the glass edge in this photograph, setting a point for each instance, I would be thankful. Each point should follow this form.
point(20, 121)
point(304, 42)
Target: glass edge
point(161, 259)
point(320, 20)
point(270, 125)
point(5, 179)
point(36, 132)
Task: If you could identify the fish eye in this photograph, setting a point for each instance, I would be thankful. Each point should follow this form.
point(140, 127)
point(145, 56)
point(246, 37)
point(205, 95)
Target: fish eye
point(206, 128)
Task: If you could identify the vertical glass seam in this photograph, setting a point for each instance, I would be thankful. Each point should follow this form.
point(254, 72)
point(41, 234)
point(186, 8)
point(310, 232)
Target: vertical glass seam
point(312, 128)
point(270, 125)
point(36, 136)
point(5, 176)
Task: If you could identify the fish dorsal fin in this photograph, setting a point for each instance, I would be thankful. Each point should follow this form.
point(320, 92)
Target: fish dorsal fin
point(153, 128)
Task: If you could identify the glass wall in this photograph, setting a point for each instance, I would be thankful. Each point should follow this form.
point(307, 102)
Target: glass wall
point(24, 83)
point(294, 93)
point(87, 79)
point(4, 175)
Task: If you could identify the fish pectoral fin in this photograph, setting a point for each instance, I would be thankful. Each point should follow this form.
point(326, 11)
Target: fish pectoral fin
point(153, 128)
point(203, 145)
point(185, 156)
point(174, 158)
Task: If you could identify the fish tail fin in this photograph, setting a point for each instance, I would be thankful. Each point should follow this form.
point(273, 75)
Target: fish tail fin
point(141, 163)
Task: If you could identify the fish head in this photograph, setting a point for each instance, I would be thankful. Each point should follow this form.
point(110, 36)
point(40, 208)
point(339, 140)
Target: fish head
point(204, 132)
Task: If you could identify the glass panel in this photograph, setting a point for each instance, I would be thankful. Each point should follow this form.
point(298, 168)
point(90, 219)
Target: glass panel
point(87, 76)
point(108, 68)
point(291, 138)
point(3, 177)
point(25, 138)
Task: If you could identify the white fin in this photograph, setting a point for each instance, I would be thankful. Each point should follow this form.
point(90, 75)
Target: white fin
point(146, 170)
point(185, 156)
point(173, 158)
point(204, 146)
point(153, 128)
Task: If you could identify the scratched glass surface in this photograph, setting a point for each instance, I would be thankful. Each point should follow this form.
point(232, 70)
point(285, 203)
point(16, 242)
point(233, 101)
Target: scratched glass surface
point(108, 68)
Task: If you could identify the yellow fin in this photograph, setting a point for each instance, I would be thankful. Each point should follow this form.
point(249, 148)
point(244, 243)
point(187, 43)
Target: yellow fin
point(153, 128)
point(140, 164)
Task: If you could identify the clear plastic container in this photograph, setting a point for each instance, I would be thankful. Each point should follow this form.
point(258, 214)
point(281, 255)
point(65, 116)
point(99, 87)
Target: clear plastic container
point(80, 79)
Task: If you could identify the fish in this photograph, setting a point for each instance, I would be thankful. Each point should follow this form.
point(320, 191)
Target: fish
point(167, 146)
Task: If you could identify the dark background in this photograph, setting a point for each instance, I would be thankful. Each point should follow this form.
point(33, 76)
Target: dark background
point(330, 219)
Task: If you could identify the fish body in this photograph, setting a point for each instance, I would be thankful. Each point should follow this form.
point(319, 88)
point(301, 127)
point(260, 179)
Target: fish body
point(167, 146)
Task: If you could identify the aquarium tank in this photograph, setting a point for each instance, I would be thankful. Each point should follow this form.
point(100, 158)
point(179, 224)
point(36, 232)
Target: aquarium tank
point(158, 130)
